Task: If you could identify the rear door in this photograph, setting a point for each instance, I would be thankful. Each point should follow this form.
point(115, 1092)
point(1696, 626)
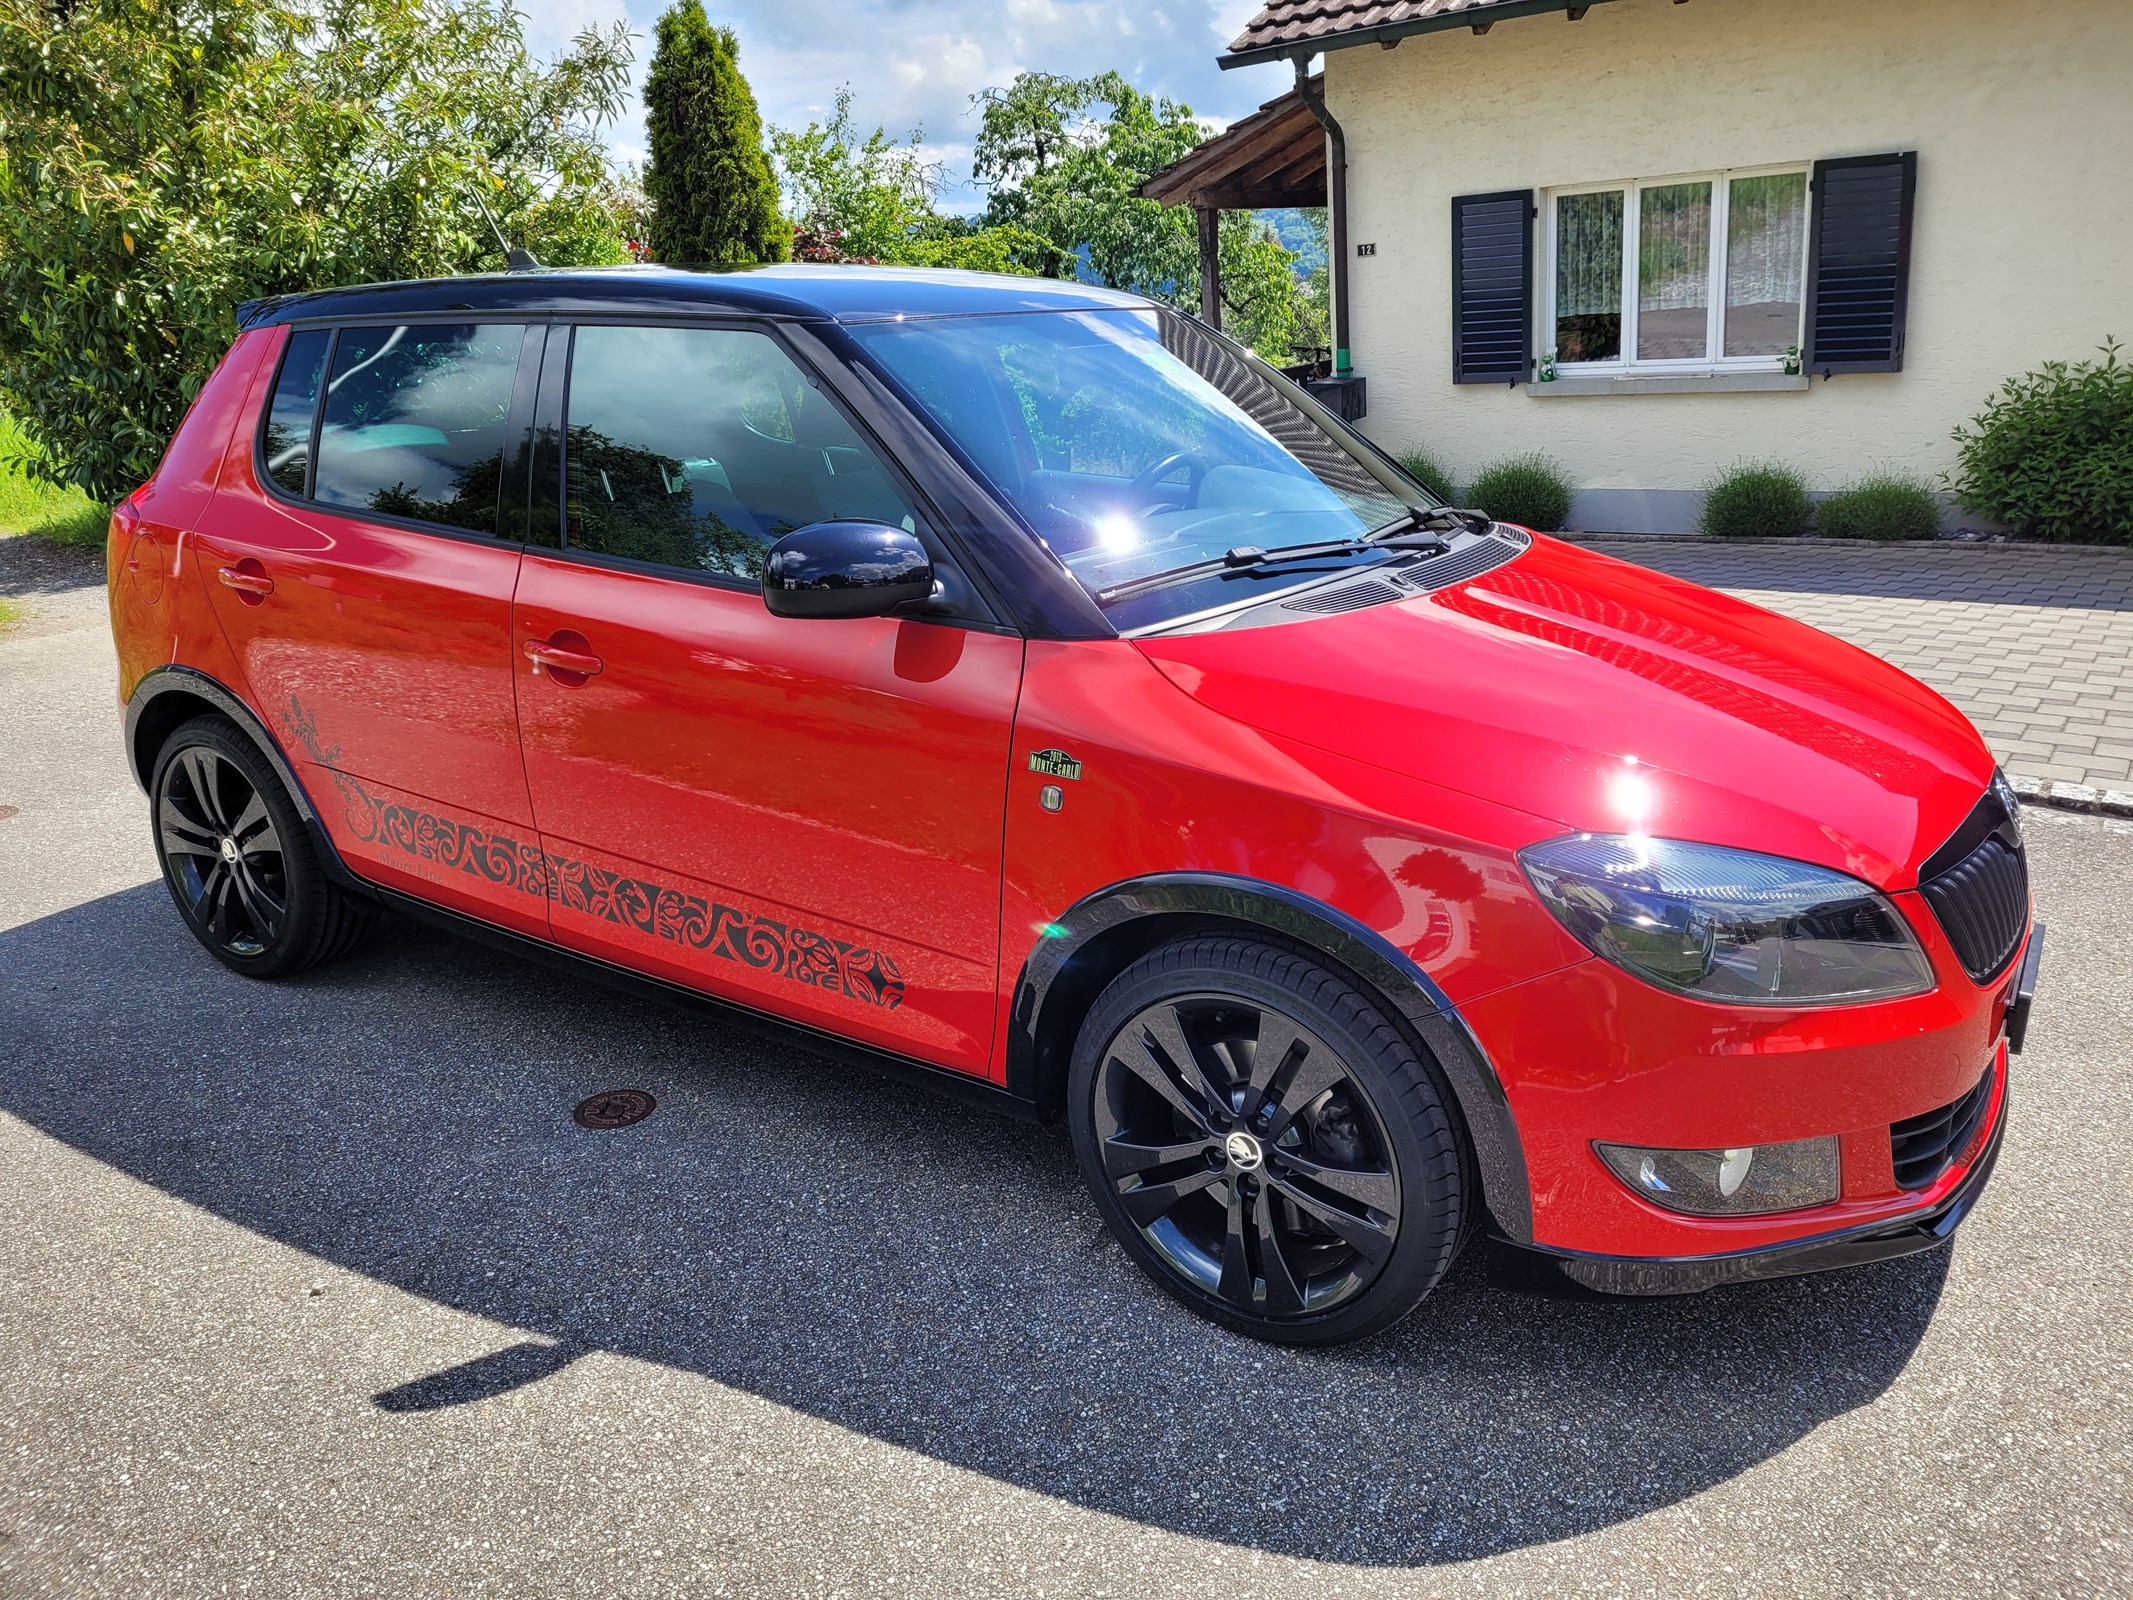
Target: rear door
point(362, 557)
point(802, 815)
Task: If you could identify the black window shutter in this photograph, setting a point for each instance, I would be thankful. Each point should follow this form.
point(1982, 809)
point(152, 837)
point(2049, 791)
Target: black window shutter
point(1492, 287)
point(1859, 272)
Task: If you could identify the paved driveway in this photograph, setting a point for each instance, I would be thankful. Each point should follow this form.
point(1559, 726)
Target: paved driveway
point(315, 1289)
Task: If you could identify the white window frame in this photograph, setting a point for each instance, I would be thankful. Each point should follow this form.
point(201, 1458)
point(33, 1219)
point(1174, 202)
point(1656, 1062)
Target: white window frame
point(1632, 192)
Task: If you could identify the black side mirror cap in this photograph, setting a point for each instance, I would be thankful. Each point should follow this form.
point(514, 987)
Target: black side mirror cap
point(846, 569)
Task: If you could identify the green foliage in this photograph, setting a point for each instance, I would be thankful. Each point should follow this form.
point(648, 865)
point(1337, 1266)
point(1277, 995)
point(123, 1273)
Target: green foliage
point(1066, 157)
point(1429, 472)
point(1882, 505)
point(714, 201)
point(1529, 490)
point(1756, 500)
point(872, 198)
point(163, 160)
point(30, 504)
point(2051, 455)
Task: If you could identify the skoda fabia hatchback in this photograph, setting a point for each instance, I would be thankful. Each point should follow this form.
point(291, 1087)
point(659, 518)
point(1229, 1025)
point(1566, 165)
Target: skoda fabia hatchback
point(1022, 685)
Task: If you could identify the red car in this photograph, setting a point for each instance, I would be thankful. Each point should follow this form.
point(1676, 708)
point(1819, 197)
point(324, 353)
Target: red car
point(1021, 685)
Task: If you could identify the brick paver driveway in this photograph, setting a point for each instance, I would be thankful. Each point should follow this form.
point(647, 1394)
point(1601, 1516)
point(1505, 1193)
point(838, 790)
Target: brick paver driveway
point(2034, 642)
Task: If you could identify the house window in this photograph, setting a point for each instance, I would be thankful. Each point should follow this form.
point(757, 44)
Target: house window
point(1678, 273)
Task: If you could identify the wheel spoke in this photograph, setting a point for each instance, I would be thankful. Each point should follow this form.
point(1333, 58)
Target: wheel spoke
point(1167, 1028)
point(218, 904)
point(1317, 1072)
point(1370, 1186)
point(1371, 1240)
point(210, 885)
point(1138, 1058)
point(1150, 1202)
point(251, 820)
point(1283, 1293)
point(1124, 1157)
point(181, 835)
point(1237, 1283)
point(264, 910)
point(1280, 1045)
point(202, 771)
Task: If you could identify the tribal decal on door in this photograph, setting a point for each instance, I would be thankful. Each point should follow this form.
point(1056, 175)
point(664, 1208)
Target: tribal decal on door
point(799, 954)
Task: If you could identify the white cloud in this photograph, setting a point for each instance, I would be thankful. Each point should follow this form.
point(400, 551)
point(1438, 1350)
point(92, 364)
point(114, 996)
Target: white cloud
point(916, 63)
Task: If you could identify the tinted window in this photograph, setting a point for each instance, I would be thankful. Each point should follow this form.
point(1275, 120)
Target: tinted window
point(700, 448)
point(289, 412)
point(415, 422)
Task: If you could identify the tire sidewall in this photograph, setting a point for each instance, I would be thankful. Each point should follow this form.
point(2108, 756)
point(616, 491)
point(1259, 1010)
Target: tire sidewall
point(1420, 1253)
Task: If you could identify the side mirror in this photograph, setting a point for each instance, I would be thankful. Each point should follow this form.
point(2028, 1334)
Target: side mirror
point(846, 569)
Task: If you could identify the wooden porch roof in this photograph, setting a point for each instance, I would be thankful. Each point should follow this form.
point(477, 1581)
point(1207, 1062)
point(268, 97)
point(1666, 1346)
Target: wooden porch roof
point(1274, 157)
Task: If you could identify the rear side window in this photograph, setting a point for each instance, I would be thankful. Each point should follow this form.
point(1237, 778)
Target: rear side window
point(287, 444)
point(700, 448)
point(415, 421)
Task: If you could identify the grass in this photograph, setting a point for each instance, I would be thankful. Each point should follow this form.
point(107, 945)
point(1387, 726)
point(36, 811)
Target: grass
point(27, 506)
point(10, 614)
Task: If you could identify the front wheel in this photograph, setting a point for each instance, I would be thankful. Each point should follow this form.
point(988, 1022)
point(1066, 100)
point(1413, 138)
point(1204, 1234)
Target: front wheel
point(238, 860)
point(1265, 1143)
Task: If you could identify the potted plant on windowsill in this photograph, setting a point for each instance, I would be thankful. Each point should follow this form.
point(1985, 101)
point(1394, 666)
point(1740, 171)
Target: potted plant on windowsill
point(1547, 372)
point(1792, 361)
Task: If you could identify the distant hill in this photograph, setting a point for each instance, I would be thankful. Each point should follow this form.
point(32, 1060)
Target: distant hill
point(1301, 231)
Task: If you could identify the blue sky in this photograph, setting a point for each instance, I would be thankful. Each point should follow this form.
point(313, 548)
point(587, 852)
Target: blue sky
point(915, 63)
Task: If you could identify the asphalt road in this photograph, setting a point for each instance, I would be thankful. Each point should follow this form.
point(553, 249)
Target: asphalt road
point(315, 1289)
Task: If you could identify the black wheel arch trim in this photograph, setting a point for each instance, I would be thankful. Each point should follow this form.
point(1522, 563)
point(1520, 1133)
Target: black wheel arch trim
point(1036, 1056)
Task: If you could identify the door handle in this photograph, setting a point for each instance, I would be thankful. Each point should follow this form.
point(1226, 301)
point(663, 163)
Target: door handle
point(248, 579)
point(561, 660)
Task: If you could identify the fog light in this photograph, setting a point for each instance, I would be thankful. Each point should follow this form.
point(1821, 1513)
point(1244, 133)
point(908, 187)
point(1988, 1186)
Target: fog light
point(1746, 1180)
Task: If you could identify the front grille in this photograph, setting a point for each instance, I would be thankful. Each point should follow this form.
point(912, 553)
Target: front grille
point(1982, 904)
point(1925, 1147)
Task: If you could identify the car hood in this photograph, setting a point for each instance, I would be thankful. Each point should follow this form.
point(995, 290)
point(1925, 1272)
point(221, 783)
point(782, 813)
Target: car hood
point(1610, 698)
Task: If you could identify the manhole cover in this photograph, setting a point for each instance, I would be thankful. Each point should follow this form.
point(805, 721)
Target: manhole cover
point(613, 1108)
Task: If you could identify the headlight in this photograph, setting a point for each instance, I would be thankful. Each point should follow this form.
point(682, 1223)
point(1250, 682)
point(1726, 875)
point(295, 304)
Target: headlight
point(1728, 925)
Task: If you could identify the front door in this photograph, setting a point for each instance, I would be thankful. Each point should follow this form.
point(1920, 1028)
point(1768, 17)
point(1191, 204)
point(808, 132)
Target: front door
point(801, 815)
point(367, 597)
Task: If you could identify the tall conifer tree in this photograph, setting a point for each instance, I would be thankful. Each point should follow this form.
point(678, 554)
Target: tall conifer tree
point(714, 201)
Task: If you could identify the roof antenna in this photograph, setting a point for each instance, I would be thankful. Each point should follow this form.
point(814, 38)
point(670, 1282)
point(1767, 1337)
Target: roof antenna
point(516, 257)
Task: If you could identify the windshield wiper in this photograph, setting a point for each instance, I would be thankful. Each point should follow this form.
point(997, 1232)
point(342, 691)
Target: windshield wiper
point(1437, 519)
point(1247, 557)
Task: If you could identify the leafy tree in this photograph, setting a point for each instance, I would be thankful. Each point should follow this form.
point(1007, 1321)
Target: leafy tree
point(714, 201)
point(1066, 157)
point(869, 197)
point(163, 160)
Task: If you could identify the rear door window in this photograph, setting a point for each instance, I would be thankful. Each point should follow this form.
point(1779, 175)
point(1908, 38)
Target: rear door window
point(287, 441)
point(415, 421)
point(700, 448)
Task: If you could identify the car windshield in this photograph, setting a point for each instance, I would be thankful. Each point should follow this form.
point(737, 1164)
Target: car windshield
point(1137, 442)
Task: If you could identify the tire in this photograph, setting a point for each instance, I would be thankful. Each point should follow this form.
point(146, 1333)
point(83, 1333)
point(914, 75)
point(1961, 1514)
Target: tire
point(1313, 1202)
point(240, 863)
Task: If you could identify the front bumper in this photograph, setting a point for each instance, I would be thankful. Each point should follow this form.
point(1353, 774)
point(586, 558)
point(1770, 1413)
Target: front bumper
point(1538, 1269)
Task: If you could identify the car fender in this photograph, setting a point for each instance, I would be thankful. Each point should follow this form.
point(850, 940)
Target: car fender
point(1036, 1061)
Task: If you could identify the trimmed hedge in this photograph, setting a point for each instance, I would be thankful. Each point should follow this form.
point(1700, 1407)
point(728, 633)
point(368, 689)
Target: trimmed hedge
point(1883, 505)
point(1529, 490)
point(1756, 500)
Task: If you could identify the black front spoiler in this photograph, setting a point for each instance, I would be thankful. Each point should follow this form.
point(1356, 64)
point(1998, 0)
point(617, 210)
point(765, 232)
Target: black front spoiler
point(1539, 1270)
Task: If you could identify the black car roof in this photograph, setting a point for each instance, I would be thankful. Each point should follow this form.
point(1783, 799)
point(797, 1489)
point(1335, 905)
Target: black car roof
point(819, 293)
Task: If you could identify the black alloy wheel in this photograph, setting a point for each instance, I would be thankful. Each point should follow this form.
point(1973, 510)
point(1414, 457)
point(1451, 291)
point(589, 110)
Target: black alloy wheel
point(238, 860)
point(1265, 1142)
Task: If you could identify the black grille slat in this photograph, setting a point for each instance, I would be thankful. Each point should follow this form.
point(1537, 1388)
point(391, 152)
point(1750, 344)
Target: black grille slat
point(1440, 572)
point(1925, 1146)
point(1345, 598)
point(1982, 904)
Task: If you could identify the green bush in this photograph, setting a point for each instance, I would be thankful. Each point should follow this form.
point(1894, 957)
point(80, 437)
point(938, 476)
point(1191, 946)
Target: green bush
point(28, 504)
point(2051, 455)
point(1429, 472)
point(1882, 505)
point(1756, 500)
point(1529, 490)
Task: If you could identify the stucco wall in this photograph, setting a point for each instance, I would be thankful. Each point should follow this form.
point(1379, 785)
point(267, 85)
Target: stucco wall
point(2022, 117)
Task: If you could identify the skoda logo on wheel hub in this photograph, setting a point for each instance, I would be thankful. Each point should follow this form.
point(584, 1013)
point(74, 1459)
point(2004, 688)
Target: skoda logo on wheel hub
point(1243, 1151)
point(229, 848)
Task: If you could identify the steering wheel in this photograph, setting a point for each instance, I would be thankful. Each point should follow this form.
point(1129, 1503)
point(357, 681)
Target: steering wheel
point(1143, 486)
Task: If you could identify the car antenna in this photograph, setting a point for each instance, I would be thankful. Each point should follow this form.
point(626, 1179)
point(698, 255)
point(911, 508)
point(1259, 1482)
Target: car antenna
point(516, 257)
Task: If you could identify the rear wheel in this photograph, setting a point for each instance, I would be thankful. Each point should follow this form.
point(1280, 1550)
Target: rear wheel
point(238, 861)
point(1265, 1143)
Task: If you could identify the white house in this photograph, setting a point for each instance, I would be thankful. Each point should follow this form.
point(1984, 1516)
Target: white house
point(1821, 231)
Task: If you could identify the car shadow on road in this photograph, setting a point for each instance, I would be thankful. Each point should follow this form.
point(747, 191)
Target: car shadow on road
point(884, 1259)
